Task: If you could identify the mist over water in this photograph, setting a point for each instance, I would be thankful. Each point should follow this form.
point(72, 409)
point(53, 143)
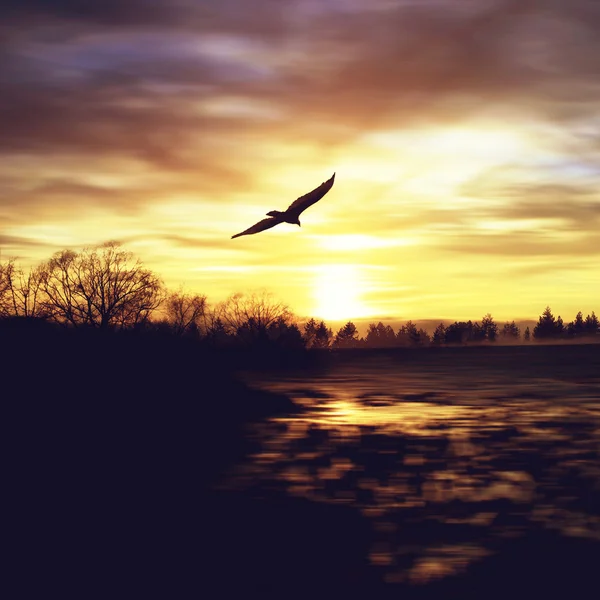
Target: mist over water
point(451, 456)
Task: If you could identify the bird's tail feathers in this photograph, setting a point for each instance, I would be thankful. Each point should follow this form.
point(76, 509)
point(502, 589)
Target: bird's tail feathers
point(274, 213)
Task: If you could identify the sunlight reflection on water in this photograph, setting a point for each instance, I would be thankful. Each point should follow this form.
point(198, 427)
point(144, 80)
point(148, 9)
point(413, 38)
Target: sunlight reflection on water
point(445, 465)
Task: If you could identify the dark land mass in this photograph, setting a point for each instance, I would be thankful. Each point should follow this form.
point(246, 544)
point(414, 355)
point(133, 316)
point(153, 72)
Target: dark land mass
point(119, 448)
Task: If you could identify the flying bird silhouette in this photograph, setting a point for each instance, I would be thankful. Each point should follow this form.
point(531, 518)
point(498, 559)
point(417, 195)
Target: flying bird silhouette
point(293, 211)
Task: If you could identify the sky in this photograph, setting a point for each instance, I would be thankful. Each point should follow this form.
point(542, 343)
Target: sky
point(465, 138)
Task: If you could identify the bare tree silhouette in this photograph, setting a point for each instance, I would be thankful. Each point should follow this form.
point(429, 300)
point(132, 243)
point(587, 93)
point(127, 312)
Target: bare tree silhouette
point(99, 287)
point(5, 277)
point(186, 313)
point(21, 293)
point(250, 316)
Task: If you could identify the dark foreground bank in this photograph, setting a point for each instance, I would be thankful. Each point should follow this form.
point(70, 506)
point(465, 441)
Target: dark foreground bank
point(116, 446)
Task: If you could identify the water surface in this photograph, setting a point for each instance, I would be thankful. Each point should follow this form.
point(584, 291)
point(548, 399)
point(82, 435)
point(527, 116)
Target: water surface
point(449, 456)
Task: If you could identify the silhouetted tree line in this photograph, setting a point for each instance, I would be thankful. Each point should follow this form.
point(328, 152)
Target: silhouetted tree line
point(383, 336)
point(107, 288)
point(466, 332)
point(550, 327)
point(103, 287)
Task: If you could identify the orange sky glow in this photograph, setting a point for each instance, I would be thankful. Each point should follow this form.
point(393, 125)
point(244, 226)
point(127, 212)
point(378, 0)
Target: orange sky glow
point(465, 138)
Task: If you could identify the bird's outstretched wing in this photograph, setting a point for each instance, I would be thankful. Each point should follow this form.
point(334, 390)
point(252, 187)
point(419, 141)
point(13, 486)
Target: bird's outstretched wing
point(260, 226)
point(302, 203)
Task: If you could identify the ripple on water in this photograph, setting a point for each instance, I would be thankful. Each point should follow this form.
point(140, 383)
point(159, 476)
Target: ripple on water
point(444, 470)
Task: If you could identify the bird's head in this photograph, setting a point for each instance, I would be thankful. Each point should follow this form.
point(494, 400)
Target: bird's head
point(297, 222)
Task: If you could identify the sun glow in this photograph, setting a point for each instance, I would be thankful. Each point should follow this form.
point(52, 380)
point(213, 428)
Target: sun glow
point(337, 291)
point(429, 161)
point(359, 242)
point(485, 143)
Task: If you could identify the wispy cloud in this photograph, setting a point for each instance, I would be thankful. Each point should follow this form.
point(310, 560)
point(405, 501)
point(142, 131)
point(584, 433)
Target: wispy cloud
point(460, 131)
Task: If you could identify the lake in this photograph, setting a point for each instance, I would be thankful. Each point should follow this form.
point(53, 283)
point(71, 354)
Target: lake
point(453, 456)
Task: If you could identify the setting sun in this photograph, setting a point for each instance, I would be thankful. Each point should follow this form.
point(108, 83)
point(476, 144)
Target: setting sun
point(337, 293)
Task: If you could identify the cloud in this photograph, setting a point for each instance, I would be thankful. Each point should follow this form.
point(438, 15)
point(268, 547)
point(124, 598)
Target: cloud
point(567, 194)
point(368, 66)
point(108, 12)
point(212, 243)
point(439, 61)
point(524, 244)
point(131, 77)
point(11, 241)
point(171, 122)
